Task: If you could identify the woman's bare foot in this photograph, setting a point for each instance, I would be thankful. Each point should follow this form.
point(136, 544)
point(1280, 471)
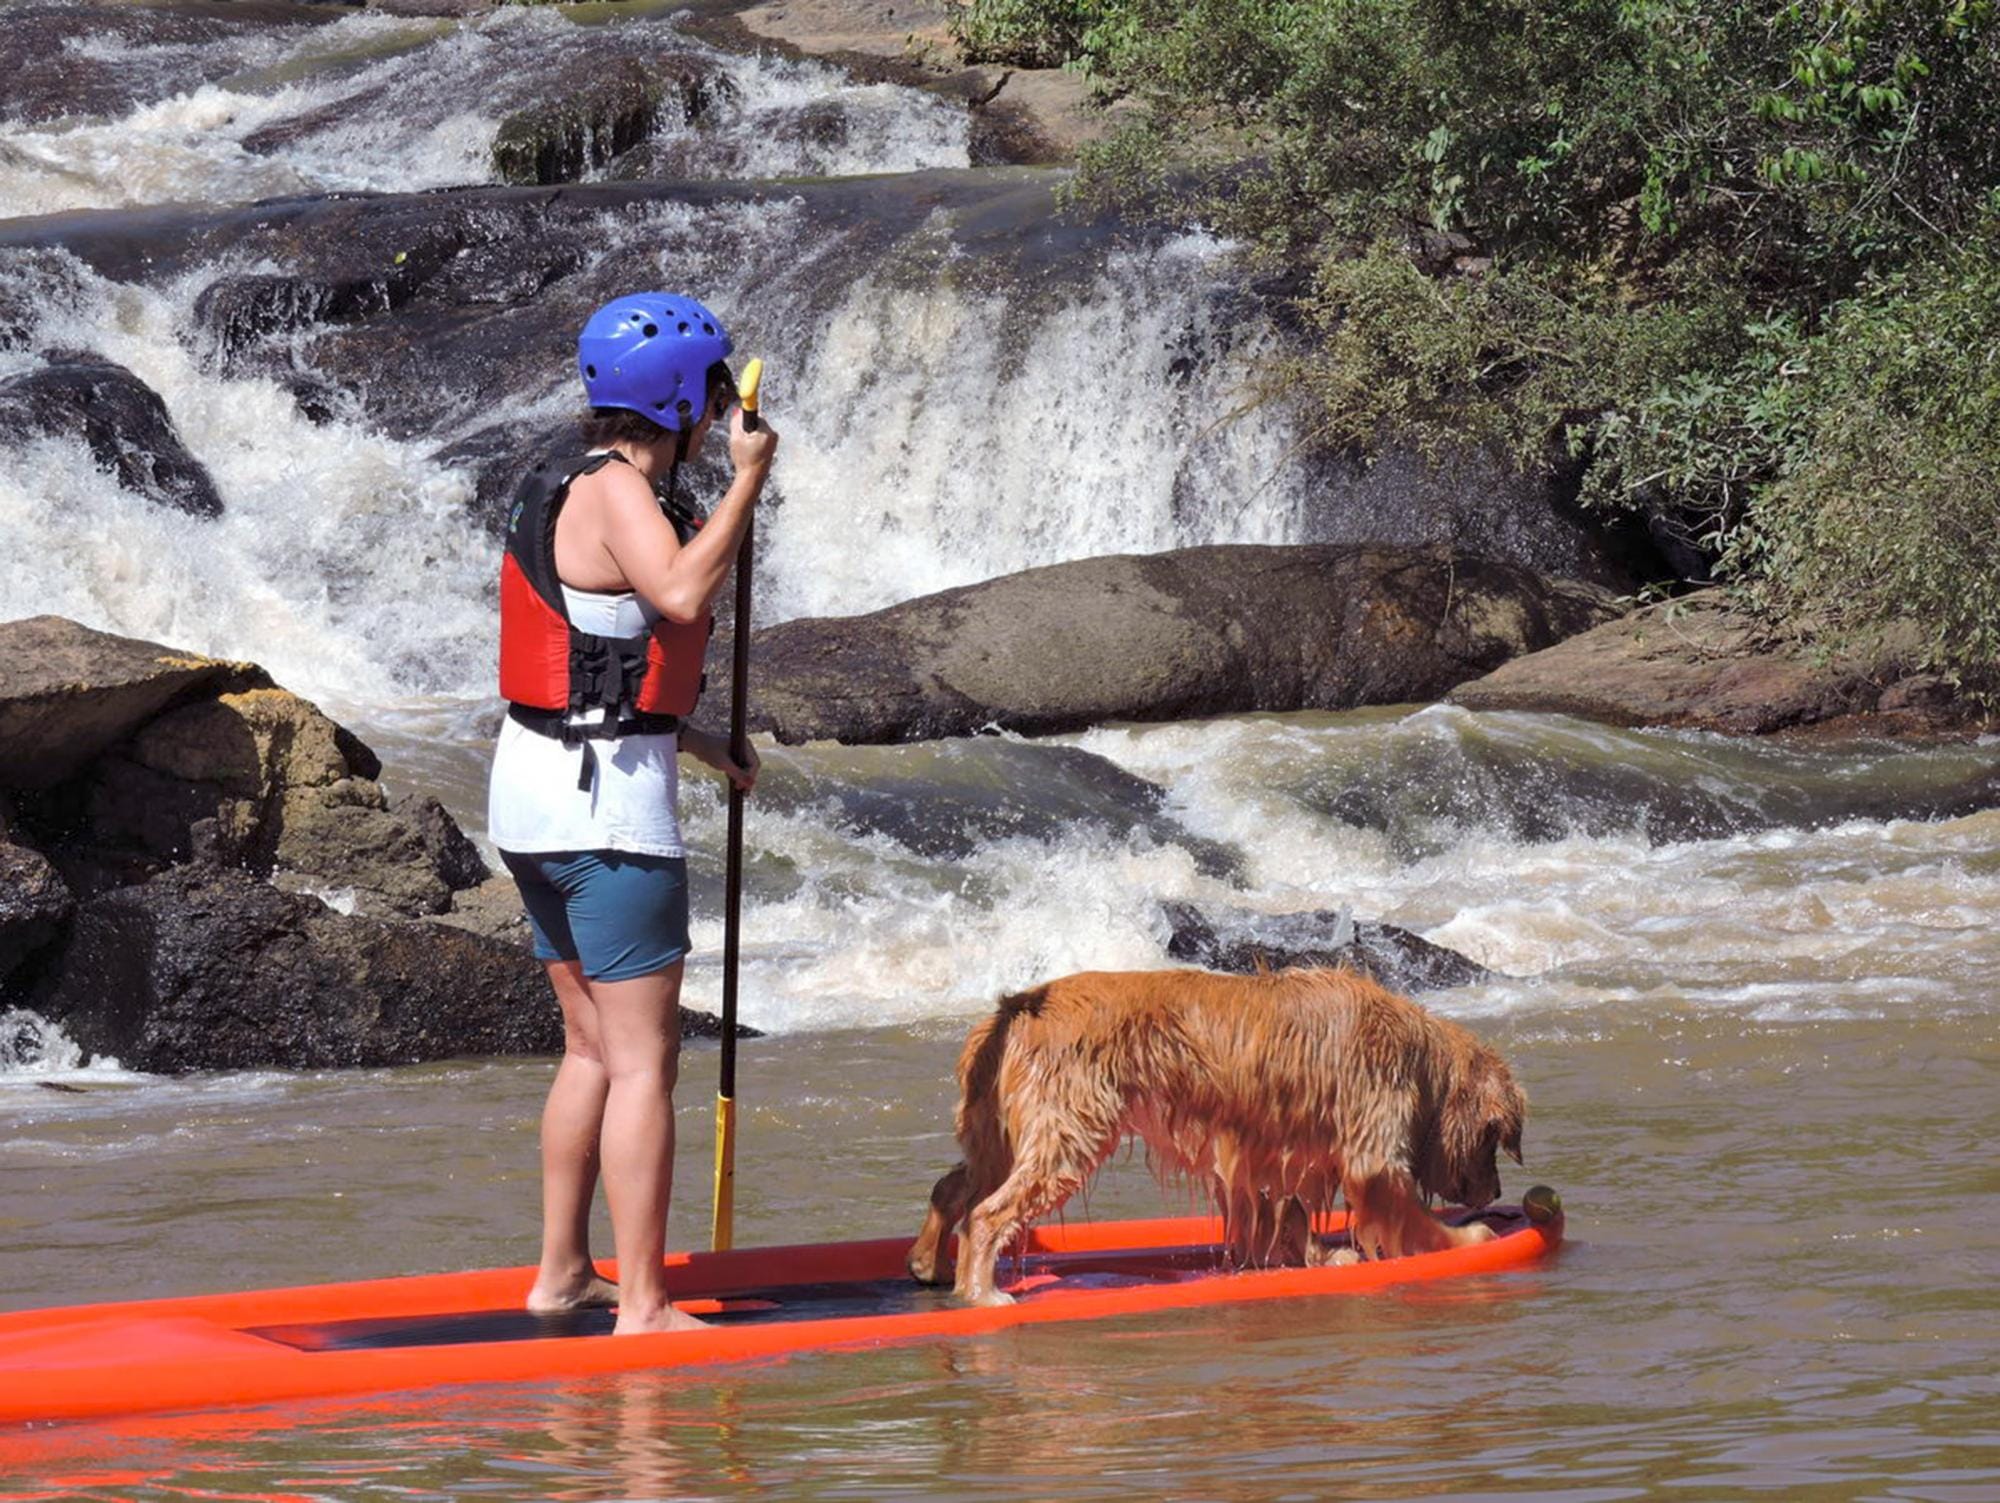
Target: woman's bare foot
point(634, 1322)
point(589, 1290)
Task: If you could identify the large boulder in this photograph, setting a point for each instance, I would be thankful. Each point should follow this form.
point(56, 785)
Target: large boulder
point(206, 968)
point(262, 779)
point(33, 904)
point(1243, 942)
point(607, 107)
point(68, 692)
point(1169, 636)
point(134, 756)
point(1697, 663)
point(120, 418)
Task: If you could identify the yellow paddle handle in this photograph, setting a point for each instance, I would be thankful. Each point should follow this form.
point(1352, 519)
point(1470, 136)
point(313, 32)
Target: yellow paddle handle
point(722, 1231)
point(746, 387)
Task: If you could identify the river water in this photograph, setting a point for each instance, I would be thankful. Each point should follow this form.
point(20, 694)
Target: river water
point(1749, 988)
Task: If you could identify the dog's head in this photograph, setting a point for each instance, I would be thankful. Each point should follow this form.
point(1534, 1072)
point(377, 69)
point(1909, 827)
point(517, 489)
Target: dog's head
point(1482, 1113)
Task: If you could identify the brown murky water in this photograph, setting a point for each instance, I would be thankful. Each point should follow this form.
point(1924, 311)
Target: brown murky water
point(1781, 1281)
point(1753, 1004)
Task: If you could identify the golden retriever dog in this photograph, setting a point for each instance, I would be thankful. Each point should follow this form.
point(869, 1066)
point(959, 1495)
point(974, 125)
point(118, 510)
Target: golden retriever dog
point(1275, 1090)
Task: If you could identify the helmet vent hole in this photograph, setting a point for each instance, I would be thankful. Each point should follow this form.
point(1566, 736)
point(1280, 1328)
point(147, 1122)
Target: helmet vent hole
point(684, 328)
point(660, 406)
point(590, 371)
point(708, 328)
point(650, 330)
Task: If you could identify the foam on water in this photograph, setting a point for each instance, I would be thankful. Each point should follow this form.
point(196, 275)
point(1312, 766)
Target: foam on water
point(343, 559)
point(379, 103)
point(952, 434)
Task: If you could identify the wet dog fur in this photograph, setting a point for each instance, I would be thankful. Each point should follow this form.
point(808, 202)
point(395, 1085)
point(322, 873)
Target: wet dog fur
point(1275, 1091)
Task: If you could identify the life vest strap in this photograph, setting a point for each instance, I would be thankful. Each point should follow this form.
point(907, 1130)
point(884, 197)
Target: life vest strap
point(557, 726)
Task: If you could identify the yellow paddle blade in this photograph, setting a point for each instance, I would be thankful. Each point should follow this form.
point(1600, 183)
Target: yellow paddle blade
point(722, 1231)
point(747, 384)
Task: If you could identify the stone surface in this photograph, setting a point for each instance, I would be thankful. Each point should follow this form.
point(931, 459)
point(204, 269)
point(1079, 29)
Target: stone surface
point(1194, 632)
point(262, 779)
point(1696, 663)
point(600, 112)
point(1029, 115)
point(155, 51)
point(1242, 941)
point(68, 692)
point(204, 969)
point(123, 421)
point(33, 904)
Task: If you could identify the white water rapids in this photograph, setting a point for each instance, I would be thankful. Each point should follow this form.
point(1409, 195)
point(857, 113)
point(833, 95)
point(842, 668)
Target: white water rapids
point(936, 433)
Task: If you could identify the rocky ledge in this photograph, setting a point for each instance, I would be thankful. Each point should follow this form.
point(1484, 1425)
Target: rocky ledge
point(1168, 636)
point(1697, 664)
point(200, 870)
point(1241, 941)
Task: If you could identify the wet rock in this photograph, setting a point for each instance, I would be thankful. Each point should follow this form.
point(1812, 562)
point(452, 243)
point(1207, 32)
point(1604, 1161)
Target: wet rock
point(67, 693)
point(1244, 942)
point(122, 420)
point(598, 111)
point(492, 909)
point(263, 780)
point(34, 284)
point(1474, 502)
point(1698, 664)
point(68, 60)
point(34, 901)
point(208, 969)
point(946, 800)
point(499, 456)
point(455, 858)
point(1170, 636)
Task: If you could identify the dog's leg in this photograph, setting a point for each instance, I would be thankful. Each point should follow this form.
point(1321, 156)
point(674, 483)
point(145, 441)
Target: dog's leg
point(1047, 1170)
point(951, 1198)
point(1292, 1244)
point(1390, 1220)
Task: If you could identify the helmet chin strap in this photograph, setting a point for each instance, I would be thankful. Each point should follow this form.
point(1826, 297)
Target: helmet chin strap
point(680, 457)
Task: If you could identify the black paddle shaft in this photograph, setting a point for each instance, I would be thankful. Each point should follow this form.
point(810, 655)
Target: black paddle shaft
point(739, 750)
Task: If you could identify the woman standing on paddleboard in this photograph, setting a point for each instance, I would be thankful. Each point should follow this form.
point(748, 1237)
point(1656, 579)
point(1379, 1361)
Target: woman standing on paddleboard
point(605, 596)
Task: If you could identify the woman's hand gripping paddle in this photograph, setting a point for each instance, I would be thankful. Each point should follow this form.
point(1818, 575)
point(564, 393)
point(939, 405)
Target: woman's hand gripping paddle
point(722, 1229)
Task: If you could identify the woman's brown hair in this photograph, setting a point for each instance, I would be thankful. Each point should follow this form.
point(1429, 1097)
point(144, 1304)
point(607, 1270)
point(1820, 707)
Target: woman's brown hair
point(604, 426)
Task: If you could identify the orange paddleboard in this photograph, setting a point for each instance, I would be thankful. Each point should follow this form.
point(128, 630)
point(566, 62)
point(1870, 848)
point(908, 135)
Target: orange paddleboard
point(258, 1347)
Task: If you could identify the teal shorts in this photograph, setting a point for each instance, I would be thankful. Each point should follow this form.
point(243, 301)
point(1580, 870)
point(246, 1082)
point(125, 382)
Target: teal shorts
point(622, 915)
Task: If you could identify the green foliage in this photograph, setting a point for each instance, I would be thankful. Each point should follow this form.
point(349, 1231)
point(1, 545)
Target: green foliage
point(1887, 507)
point(1043, 33)
point(1731, 261)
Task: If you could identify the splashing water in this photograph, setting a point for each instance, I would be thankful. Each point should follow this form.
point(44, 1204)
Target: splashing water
point(378, 103)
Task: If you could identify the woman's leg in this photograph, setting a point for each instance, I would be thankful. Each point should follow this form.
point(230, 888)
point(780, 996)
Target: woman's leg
point(571, 1123)
point(639, 1037)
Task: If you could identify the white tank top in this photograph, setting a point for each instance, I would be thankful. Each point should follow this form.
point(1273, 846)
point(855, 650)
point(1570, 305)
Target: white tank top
point(533, 803)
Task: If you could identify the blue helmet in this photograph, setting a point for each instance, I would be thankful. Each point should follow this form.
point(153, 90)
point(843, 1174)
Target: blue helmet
point(652, 353)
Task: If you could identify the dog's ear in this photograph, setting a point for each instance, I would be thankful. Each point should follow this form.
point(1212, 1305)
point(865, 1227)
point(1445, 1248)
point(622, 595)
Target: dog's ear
point(1507, 1105)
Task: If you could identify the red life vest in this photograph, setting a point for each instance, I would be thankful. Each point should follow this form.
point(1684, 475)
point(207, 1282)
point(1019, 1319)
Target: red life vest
point(548, 669)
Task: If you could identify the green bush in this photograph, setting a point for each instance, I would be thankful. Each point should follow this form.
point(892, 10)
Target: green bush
point(1731, 261)
point(1888, 506)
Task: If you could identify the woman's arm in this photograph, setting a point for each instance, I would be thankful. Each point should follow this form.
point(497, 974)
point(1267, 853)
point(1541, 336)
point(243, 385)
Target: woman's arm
point(707, 747)
point(680, 580)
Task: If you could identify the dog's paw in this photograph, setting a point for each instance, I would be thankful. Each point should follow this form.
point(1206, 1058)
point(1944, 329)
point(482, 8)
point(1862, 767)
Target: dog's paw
point(1343, 1257)
point(992, 1299)
point(927, 1273)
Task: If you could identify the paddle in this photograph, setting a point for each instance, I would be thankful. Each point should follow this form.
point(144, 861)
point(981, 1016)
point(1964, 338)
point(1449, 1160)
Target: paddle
point(722, 1231)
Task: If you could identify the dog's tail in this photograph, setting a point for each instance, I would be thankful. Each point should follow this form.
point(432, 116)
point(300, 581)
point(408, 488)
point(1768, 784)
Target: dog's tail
point(1030, 1002)
point(981, 1131)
